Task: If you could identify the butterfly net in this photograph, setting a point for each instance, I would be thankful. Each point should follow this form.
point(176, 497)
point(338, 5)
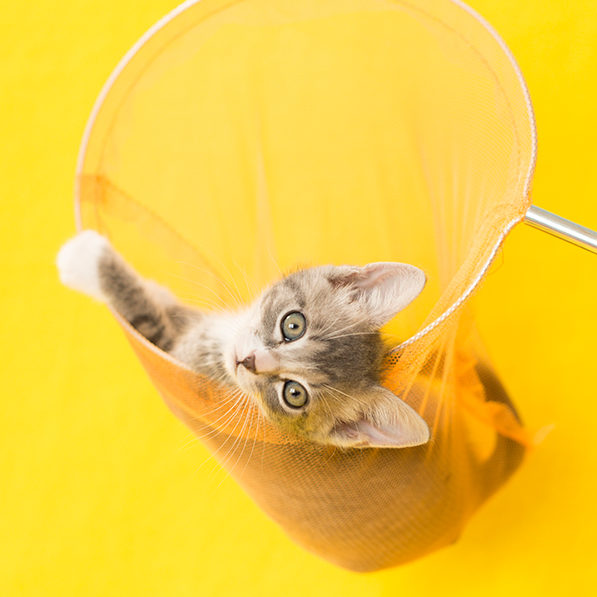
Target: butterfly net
point(239, 139)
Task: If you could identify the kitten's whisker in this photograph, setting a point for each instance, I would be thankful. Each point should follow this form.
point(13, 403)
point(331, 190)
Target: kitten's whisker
point(247, 434)
point(231, 452)
point(240, 411)
point(213, 432)
point(220, 406)
point(250, 289)
point(201, 419)
point(216, 429)
point(211, 305)
point(201, 285)
point(330, 325)
point(241, 299)
point(257, 423)
point(222, 305)
point(237, 298)
point(230, 435)
point(223, 428)
point(328, 408)
point(359, 321)
point(261, 419)
point(221, 280)
point(337, 390)
point(214, 424)
point(190, 441)
point(202, 268)
point(224, 459)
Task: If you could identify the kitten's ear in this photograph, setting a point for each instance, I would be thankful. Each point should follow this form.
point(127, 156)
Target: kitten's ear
point(392, 424)
point(384, 288)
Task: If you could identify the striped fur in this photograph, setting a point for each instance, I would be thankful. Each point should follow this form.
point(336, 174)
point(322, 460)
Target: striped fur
point(337, 360)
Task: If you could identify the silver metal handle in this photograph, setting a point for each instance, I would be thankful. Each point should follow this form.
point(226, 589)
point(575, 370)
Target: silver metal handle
point(565, 229)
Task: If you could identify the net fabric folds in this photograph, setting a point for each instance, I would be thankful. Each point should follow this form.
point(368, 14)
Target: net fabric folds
point(239, 139)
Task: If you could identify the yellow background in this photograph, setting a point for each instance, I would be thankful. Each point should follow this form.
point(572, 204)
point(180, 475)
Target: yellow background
point(103, 492)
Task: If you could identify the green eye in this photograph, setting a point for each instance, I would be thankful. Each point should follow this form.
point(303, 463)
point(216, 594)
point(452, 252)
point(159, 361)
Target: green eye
point(293, 326)
point(294, 394)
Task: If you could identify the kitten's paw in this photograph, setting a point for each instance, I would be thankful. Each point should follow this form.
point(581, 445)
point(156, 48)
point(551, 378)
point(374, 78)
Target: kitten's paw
point(78, 262)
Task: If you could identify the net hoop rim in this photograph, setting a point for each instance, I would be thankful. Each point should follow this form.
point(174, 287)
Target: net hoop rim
point(170, 16)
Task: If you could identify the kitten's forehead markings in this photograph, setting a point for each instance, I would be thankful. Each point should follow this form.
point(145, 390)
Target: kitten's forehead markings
point(269, 317)
point(295, 287)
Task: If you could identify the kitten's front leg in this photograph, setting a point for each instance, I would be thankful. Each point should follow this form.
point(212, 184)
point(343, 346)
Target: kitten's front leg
point(88, 263)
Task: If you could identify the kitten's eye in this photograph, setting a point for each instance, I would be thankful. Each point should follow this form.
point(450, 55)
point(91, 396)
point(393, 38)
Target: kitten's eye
point(294, 394)
point(293, 326)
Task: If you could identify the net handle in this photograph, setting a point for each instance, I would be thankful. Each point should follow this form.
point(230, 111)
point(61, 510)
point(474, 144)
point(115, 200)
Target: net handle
point(562, 228)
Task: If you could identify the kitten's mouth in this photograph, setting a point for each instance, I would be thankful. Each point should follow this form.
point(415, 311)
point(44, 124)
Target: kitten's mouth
point(236, 363)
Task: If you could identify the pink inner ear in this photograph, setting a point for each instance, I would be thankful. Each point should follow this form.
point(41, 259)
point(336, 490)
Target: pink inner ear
point(388, 287)
point(375, 274)
point(364, 433)
point(383, 435)
point(395, 425)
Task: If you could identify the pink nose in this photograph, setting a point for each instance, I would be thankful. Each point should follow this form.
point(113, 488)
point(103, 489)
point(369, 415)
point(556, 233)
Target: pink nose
point(249, 363)
point(266, 361)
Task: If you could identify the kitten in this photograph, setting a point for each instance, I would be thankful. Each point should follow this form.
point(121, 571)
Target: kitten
point(308, 351)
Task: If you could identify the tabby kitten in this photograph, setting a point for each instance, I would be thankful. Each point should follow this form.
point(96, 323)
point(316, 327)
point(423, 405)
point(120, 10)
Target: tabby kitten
point(308, 351)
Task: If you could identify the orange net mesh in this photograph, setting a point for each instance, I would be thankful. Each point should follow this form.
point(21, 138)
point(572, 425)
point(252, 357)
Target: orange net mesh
point(239, 139)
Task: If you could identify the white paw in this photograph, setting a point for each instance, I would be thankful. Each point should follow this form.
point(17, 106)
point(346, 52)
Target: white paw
point(78, 262)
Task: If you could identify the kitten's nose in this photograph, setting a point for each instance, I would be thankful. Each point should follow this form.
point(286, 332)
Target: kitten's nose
point(249, 362)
